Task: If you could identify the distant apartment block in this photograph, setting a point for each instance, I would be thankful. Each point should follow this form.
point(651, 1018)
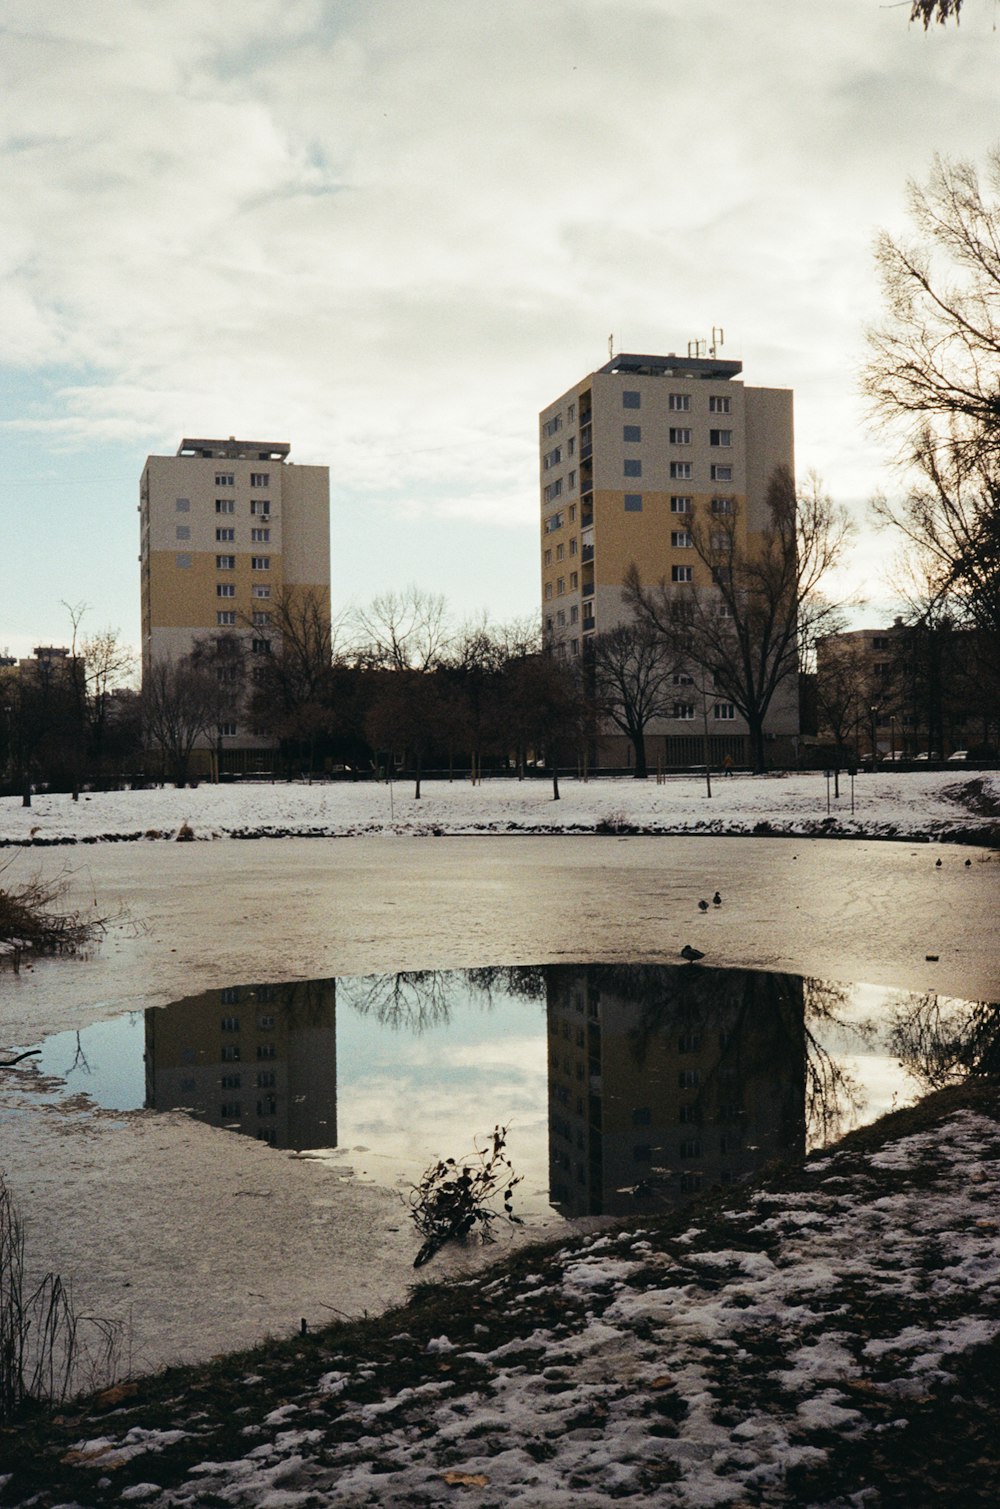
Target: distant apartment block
point(229, 528)
point(628, 457)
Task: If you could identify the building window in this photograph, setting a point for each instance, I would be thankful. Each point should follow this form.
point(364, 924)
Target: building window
point(684, 711)
point(720, 437)
point(261, 507)
point(548, 591)
point(230, 1053)
point(225, 563)
point(633, 502)
point(229, 1024)
point(560, 585)
point(680, 505)
point(680, 539)
point(225, 505)
point(261, 620)
point(679, 403)
point(551, 425)
point(632, 432)
point(260, 479)
point(679, 437)
point(573, 546)
point(226, 532)
point(683, 679)
point(689, 1079)
point(680, 471)
point(690, 1148)
point(183, 505)
point(681, 573)
point(572, 513)
point(266, 1050)
point(553, 490)
point(225, 589)
point(631, 399)
point(574, 580)
point(561, 619)
point(718, 405)
point(560, 552)
point(225, 479)
point(721, 473)
point(225, 618)
point(722, 575)
point(571, 481)
point(574, 614)
point(227, 730)
point(552, 458)
point(260, 536)
point(571, 446)
point(261, 592)
point(725, 712)
point(722, 505)
point(228, 1081)
point(184, 531)
point(691, 1183)
point(230, 1110)
point(260, 563)
point(182, 562)
point(688, 1115)
point(633, 467)
point(554, 523)
point(548, 557)
point(260, 646)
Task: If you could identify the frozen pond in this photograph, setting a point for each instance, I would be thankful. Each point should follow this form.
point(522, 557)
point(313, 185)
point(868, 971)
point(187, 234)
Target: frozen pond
point(624, 1087)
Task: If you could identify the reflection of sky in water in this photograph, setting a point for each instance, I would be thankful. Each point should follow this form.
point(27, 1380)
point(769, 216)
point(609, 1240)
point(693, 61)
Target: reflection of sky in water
point(410, 1099)
point(103, 1061)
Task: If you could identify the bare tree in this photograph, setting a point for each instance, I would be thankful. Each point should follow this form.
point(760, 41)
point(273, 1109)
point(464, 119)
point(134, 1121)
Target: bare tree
point(179, 706)
point(933, 379)
point(632, 681)
point(744, 633)
point(402, 631)
point(934, 359)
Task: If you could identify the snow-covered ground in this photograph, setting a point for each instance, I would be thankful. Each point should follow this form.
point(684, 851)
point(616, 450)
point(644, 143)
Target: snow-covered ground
point(884, 804)
point(782, 1356)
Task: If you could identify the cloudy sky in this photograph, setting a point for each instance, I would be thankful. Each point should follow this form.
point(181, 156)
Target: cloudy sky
point(390, 231)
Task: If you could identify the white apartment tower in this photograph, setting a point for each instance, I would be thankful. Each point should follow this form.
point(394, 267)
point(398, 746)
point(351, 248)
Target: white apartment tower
point(228, 529)
point(627, 456)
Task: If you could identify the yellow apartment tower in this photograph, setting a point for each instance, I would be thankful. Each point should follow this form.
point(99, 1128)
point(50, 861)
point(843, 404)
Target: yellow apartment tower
point(229, 528)
point(627, 457)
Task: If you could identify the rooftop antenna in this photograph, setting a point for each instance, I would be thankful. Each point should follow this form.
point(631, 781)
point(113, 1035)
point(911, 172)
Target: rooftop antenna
point(696, 348)
point(718, 339)
point(611, 345)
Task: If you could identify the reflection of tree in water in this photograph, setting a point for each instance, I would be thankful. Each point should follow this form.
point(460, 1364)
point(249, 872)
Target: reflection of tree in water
point(299, 1003)
point(941, 1041)
point(417, 1000)
point(765, 1027)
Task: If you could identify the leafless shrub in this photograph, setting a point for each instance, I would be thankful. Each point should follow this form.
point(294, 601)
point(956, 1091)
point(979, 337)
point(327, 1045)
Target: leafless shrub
point(451, 1199)
point(32, 921)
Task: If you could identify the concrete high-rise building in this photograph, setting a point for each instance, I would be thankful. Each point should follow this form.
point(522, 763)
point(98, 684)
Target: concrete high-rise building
point(229, 529)
point(629, 455)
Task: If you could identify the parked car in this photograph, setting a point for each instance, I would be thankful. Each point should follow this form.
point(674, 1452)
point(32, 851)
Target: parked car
point(897, 756)
point(925, 756)
point(959, 754)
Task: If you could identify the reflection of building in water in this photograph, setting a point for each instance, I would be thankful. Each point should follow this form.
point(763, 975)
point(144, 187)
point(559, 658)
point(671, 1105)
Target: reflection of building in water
point(666, 1080)
point(257, 1059)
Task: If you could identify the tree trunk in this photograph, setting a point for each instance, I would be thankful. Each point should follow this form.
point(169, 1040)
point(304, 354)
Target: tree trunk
point(555, 783)
point(639, 746)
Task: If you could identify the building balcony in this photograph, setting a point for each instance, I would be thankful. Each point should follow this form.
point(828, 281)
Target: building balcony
point(586, 451)
point(587, 553)
point(588, 589)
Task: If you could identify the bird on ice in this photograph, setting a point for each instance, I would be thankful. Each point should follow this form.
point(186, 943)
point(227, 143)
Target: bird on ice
point(692, 955)
point(703, 905)
point(716, 899)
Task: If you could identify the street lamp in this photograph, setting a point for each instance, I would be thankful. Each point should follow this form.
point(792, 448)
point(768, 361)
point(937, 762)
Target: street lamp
point(874, 712)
